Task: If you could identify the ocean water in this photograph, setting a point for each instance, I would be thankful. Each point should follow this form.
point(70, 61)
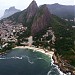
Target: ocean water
point(27, 62)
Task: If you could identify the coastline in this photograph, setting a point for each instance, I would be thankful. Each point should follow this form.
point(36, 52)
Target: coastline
point(61, 64)
point(49, 53)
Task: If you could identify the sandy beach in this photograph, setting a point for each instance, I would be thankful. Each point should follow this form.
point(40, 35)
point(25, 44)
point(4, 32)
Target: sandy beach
point(49, 53)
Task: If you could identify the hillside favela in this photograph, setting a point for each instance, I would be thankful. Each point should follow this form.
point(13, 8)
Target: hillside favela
point(38, 40)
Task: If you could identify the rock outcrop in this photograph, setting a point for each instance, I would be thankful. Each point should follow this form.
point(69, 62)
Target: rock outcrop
point(28, 14)
point(41, 20)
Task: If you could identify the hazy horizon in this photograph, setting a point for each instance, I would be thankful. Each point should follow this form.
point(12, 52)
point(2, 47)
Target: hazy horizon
point(23, 4)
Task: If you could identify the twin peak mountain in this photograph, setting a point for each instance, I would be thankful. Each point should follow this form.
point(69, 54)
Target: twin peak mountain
point(35, 18)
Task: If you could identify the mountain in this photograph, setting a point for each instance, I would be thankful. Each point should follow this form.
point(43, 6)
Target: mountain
point(9, 12)
point(44, 19)
point(62, 11)
point(27, 15)
point(39, 21)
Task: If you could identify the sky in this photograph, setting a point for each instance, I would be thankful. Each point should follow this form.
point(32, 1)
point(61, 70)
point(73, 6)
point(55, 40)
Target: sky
point(23, 4)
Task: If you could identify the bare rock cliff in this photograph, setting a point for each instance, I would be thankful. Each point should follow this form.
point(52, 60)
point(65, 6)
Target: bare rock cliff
point(27, 15)
point(41, 20)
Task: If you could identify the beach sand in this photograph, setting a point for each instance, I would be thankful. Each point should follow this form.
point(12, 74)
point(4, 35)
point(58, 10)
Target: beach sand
point(49, 53)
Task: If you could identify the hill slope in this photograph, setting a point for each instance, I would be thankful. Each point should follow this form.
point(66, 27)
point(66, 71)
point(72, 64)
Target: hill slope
point(63, 11)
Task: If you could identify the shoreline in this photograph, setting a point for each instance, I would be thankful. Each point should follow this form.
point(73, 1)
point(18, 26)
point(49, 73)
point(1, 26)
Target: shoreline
point(49, 53)
point(61, 65)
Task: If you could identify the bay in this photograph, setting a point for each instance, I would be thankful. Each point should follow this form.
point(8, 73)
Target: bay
point(27, 62)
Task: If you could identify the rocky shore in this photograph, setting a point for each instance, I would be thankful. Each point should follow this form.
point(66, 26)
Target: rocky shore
point(4, 53)
point(64, 67)
point(55, 58)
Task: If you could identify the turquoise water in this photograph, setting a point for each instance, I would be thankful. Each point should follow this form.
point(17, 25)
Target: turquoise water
point(26, 62)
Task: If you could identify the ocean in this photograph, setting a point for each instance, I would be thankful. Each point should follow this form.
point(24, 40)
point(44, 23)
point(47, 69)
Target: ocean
point(27, 62)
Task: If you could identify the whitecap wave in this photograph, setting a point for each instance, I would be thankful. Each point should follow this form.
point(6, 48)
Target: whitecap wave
point(16, 57)
point(58, 69)
point(2, 58)
point(49, 73)
point(31, 62)
point(40, 58)
point(11, 58)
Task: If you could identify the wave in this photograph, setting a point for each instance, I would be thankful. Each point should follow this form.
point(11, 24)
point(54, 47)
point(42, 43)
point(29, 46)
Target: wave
point(2, 58)
point(16, 57)
point(31, 62)
point(40, 58)
point(55, 67)
point(11, 58)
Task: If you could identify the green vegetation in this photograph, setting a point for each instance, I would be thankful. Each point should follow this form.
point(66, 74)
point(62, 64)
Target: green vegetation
point(8, 47)
point(14, 17)
point(65, 37)
point(63, 31)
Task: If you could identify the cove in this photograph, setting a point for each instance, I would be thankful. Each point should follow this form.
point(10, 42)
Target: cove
point(27, 62)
